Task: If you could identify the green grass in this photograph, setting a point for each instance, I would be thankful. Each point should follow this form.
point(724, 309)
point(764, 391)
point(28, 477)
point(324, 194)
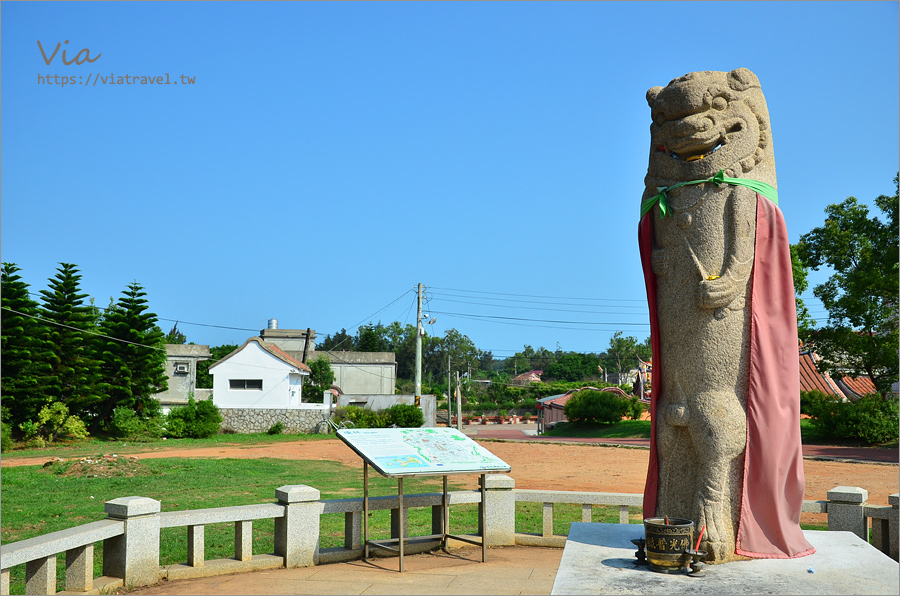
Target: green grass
point(619, 430)
point(39, 500)
point(809, 434)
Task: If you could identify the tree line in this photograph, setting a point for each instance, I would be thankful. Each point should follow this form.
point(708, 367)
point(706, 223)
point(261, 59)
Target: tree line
point(455, 353)
point(65, 350)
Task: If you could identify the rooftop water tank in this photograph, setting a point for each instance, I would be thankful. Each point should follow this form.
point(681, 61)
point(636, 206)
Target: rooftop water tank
point(273, 324)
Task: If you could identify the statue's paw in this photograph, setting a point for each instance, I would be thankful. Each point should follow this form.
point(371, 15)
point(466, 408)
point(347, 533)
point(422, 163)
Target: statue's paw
point(718, 292)
point(659, 261)
point(717, 551)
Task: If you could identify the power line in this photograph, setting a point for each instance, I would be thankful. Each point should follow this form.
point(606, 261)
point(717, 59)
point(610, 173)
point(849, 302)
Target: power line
point(456, 314)
point(538, 296)
point(596, 312)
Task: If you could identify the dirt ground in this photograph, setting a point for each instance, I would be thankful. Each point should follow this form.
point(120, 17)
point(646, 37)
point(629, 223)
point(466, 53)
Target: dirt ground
point(552, 466)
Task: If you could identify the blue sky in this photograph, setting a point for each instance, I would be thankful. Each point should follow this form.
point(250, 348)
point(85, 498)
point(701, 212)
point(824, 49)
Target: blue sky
point(330, 156)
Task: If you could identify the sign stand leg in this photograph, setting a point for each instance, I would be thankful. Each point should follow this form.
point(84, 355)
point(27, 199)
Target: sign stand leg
point(401, 524)
point(445, 516)
point(483, 521)
point(365, 510)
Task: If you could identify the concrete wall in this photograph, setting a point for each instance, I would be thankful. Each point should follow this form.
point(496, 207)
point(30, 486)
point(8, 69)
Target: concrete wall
point(290, 340)
point(363, 373)
point(281, 389)
point(181, 368)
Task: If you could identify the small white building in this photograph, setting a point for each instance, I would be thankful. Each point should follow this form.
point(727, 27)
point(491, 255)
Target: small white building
point(258, 375)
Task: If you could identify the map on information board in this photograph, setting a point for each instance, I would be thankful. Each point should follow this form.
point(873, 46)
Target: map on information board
point(411, 451)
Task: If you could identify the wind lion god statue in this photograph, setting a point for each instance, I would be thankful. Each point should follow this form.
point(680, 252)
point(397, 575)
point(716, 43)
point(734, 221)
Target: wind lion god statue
point(725, 445)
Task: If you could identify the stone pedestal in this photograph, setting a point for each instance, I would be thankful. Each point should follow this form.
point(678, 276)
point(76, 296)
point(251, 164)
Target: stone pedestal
point(599, 559)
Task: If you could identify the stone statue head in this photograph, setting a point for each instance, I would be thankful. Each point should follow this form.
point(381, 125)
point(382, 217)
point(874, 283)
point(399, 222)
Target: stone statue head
point(708, 121)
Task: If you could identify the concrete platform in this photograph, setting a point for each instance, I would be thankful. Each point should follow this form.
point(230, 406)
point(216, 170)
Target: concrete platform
point(599, 559)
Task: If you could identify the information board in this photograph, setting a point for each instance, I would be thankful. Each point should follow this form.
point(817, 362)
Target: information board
point(426, 451)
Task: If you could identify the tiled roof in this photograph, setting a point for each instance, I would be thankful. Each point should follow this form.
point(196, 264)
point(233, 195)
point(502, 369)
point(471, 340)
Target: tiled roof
point(857, 386)
point(271, 349)
point(279, 353)
point(811, 378)
point(528, 375)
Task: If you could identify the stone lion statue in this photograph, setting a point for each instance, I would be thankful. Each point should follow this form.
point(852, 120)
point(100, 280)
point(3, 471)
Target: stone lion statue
point(725, 451)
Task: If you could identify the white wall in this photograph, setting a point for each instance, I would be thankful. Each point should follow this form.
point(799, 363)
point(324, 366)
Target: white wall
point(280, 389)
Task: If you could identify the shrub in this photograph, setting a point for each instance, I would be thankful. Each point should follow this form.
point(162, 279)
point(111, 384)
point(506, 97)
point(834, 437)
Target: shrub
point(871, 419)
point(405, 416)
point(635, 408)
point(6, 441)
point(366, 418)
point(595, 407)
point(810, 400)
point(276, 429)
point(54, 422)
point(127, 424)
point(196, 420)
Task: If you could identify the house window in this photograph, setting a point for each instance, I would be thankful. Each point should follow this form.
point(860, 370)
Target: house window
point(251, 384)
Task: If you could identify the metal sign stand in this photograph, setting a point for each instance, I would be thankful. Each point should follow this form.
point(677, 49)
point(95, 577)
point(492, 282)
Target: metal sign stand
point(401, 540)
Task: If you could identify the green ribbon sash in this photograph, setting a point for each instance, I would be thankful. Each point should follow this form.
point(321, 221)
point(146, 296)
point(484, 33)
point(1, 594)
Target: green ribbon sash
point(766, 190)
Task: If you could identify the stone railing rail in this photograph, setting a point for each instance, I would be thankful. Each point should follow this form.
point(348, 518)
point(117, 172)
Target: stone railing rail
point(131, 532)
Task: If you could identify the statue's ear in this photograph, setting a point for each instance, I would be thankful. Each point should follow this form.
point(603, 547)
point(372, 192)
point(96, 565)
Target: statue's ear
point(652, 94)
point(742, 79)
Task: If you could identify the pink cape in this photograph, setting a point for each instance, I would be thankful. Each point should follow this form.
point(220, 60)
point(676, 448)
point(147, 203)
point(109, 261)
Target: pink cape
point(769, 525)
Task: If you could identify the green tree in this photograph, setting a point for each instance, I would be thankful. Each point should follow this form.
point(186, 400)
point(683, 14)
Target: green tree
point(369, 340)
point(25, 355)
point(573, 366)
point(805, 322)
point(204, 379)
point(529, 359)
point(464, 357)
point(861, 296)
point(174, 336)
point(623, 351)
point(321, 378)
point(339, 341)
point(72, 327)
point(132, 350)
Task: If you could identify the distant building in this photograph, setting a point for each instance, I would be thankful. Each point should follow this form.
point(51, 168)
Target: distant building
point(181, 368)
point(258, 375)
point(523, 380)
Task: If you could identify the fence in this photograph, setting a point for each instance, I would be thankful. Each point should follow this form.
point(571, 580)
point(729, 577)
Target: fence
point(131, 533)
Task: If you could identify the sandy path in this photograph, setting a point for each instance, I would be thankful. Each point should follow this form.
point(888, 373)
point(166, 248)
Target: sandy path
point(553, 466)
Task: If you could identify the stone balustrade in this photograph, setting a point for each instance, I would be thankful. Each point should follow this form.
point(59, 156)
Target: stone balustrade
point(131, 532)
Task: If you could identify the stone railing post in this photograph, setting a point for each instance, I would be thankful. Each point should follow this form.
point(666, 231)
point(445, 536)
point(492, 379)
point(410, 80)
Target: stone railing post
point(846, 511)
point(297, 533)
point(894, 524)
point(884, 533)
point(500, 509)
point(134, 555)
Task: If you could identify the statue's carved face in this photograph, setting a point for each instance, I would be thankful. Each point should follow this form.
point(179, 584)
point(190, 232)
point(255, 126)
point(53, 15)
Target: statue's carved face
point(705, 122)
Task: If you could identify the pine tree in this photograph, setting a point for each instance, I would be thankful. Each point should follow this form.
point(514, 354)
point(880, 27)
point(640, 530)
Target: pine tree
point(72, 325)
point(132, 349)
point(25, 356)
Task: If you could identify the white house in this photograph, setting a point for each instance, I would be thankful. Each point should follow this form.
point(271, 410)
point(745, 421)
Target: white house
point(258, 375)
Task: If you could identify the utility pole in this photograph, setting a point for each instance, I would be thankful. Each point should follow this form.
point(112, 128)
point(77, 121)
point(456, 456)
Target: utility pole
point(458, 404)
point(419, 332)
point(450, 397)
